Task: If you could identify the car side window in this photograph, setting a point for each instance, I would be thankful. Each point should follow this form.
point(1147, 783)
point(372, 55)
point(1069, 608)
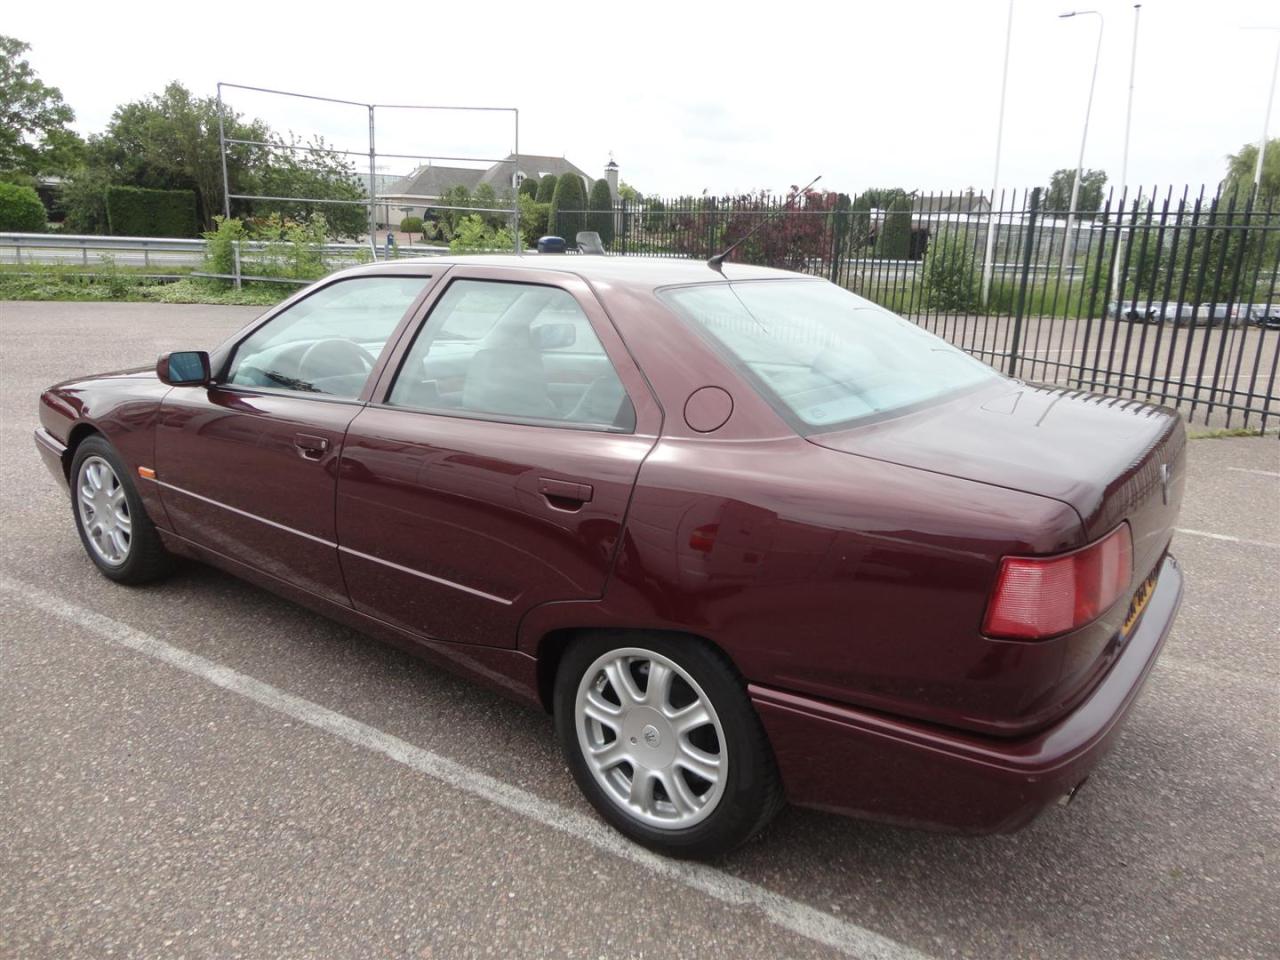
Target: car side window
point(518, 352)
point(329, 342)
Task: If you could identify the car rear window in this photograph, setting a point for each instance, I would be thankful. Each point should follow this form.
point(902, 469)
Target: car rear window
point(822, 355)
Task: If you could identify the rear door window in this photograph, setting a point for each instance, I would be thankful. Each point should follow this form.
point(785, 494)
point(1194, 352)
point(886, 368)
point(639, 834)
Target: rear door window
point(517, 352)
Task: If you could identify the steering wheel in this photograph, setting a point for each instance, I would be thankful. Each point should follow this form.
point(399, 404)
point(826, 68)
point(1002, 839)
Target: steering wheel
point(333, 358)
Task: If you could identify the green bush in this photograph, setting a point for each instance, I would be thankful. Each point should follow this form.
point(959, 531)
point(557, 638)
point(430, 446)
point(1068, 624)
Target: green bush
point(474, 236)
point(546, 189)
point(950, 279)
point(20, 209)
point(600, 219)
point(411, 225)
point(139, 212)
point(568, 208)
point(533, 219)
point(219, 250)
point(895, 234)
point(529, 188)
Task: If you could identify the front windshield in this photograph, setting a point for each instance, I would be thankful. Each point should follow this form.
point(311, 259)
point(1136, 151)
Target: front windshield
point(823, 354)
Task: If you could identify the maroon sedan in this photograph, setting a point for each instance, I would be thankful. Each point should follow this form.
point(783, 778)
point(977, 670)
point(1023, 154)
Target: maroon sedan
point(748, 536)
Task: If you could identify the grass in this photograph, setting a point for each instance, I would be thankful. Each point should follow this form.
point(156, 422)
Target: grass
point(128, 285)
point(1223, 434)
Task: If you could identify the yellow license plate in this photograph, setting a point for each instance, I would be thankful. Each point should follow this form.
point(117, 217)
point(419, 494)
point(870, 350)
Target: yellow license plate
point(1139, 603)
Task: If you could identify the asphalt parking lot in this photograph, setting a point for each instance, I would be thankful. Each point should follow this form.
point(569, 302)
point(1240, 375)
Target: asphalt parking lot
point(198, 769)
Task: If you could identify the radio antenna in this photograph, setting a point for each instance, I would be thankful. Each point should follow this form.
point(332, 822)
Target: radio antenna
point(715, 262)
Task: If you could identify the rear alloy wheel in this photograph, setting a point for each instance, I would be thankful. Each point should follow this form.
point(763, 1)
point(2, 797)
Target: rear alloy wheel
point(663, 741)
point(113, 525)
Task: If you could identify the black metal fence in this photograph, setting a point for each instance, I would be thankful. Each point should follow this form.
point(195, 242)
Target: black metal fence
point(1171, 297)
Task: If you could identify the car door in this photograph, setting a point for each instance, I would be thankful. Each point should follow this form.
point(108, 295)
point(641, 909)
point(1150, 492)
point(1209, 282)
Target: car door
point(494, 469)
point(247, 465)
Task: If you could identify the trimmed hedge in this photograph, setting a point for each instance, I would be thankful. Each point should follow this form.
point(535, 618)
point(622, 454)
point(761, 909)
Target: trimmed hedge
point(411, 225)
point(600, 219)
point(895, 236)
point(139, 212)
point(20, 209)
point(546, 189)
point(529, 188)
point(568, 207)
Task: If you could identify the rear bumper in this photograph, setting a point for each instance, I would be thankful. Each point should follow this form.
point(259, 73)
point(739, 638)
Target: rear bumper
point(855, 762)
point(52, 451)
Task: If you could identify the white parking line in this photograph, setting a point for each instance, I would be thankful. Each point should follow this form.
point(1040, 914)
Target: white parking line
point(1261, 473)
point(1227, 539)
point(782, 911)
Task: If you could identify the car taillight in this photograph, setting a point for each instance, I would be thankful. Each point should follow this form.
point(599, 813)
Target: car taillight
point(1039, 597)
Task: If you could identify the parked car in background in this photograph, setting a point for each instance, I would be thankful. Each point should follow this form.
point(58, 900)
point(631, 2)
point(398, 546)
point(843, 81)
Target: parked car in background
point(1143, 311)
point(1264, 314)
point(746, 535)
point(1177, 313)
point(1217, 315)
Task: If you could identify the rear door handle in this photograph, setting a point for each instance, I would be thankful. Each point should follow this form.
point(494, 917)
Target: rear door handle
point(310, 447)
point(565, 494)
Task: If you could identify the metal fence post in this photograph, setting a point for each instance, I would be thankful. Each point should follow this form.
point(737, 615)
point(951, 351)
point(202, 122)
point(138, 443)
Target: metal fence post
point(1028, 245)
point(373, 190)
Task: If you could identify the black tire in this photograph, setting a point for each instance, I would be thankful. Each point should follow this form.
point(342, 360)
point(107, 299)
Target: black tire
point(146, 559)
point(752, 792)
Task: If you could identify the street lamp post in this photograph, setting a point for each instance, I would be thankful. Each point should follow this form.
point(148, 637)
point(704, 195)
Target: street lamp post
point(1067, 246)
point(1124, 158)
point(987, 264)
point(1262, 144)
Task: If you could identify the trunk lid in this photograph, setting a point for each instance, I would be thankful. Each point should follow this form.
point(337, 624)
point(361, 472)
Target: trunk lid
point(1108, 458)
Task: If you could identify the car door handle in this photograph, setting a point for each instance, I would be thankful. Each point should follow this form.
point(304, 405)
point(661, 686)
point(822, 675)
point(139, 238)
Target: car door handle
point(310, 447)
point(565, 494)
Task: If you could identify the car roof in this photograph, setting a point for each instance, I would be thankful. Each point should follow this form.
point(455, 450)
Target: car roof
point(629, 271)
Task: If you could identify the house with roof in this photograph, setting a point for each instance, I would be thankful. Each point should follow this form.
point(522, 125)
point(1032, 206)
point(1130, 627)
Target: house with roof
point(414, 194)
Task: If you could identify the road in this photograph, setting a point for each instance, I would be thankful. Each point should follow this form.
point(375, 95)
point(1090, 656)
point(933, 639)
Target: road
point(198, 769)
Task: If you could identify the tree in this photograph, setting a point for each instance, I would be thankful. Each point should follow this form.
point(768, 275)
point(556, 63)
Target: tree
point(881, 198)
point(459, 199)
point(311, 171)
point(487, 199)
point(629, 193)
point(895, 234)
point(1240, 170)
point(170, 142)
point(533, 219)
point(529, 188)
point(600, 219)
point(860, 226)
point(34, 135)
point(546, 188)
point(1088, 200)
point(20, 209)
point(568, 208)
point(84, 199)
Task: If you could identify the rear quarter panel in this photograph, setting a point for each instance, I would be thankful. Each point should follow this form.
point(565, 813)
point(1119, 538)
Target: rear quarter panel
point(835, 576)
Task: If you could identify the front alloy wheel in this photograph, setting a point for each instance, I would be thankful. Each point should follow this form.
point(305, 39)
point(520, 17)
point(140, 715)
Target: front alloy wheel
point(112, 522)
point(104, 511)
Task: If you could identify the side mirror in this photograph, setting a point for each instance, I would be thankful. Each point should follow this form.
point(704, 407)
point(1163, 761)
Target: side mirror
point(184, 368)
point(551, 336)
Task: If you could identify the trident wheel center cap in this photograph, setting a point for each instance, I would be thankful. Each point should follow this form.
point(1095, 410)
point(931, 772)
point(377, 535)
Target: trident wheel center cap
point(650, 738)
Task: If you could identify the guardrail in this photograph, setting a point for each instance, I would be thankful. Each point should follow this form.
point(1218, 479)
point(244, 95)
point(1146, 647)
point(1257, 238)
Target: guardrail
point(62, 248)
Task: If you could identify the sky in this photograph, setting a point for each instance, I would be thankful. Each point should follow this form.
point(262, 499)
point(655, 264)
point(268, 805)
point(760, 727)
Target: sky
point(717, 97)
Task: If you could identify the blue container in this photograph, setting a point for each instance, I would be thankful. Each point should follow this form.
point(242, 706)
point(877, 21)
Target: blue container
point(551, 244)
